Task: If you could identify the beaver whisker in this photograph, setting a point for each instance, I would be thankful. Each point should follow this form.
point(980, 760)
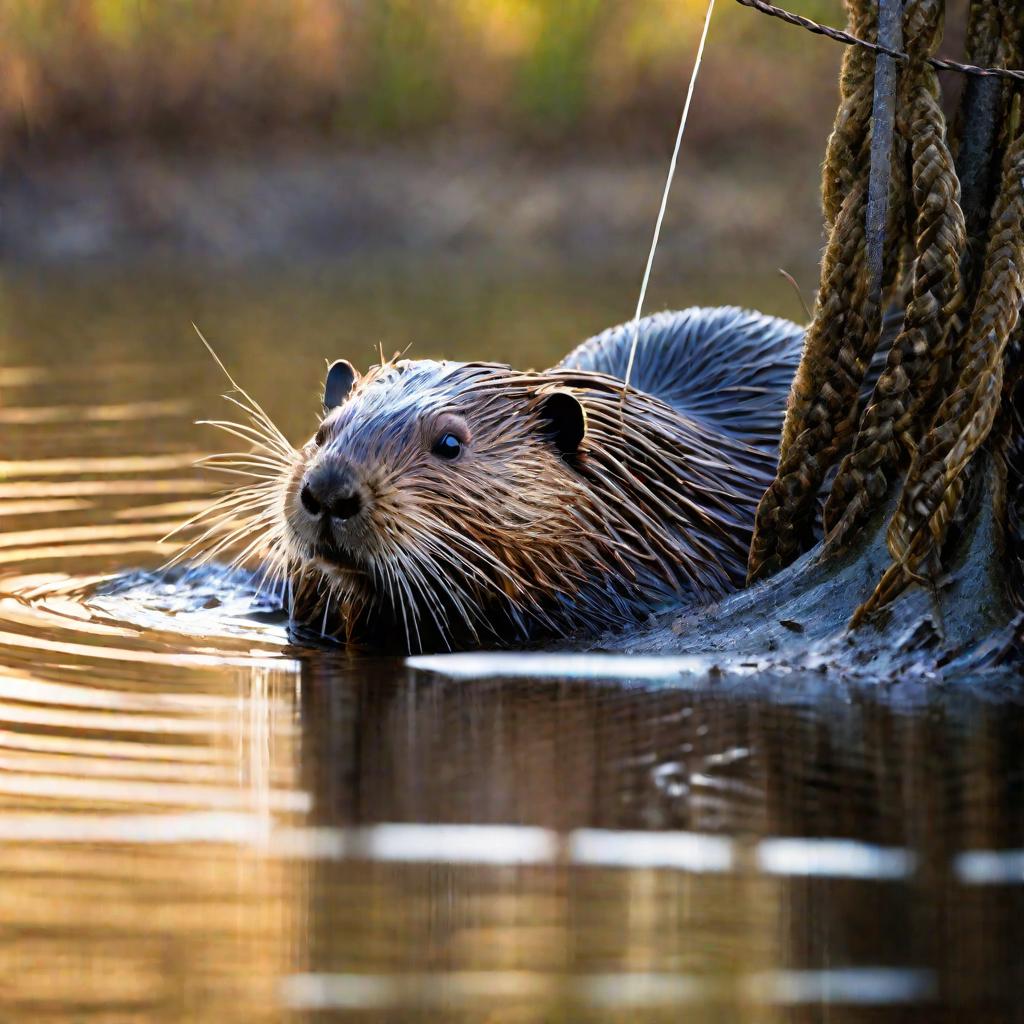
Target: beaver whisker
point(252, 471)
point(236, 513)
point(277, 564)
point(231, 522)
point(392, 583)
point(244, 432)
point(248, 515)
point(259, 544)
point(272, 574)
point(382, 572)
point(237, 499)
point(253, 498)
point(221, 522)
point(219, 509)
point(327, 608)
point(455, 592)
point(254, 409)
point(259, 419)
point(235, 536)
point(248, 474)
point(255, 547)
point(251, 459)
point(284, 587)
point(405, 591)
point(203, 556)
point(238, 492)
point(254, 432)
point(429, 598)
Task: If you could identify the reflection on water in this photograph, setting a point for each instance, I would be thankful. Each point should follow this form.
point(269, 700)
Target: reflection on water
point(201, 821)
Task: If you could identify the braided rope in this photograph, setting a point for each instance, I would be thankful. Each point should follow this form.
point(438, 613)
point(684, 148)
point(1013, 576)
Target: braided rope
point(984, 28)
point(935, 481)
point(888, 431)
point(822, 410)
point(847, 152)
point(827, 370)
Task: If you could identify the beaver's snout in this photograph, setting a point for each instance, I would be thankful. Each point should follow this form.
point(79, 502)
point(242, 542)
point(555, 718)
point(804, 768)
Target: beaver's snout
point(331, 490)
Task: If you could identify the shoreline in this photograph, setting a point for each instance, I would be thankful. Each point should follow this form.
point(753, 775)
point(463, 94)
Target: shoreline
point(458, 201)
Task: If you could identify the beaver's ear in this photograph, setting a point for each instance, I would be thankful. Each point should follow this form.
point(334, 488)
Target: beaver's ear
point(341, 375)
point(564, 421)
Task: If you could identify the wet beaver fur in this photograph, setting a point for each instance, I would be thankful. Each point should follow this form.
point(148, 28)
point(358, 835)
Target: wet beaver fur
point(446, 505)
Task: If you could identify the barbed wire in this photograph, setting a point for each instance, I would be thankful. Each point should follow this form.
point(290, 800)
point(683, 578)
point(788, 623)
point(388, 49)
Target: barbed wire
point(839, 36)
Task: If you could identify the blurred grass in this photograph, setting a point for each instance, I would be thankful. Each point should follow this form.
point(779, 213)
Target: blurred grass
point(541, 71)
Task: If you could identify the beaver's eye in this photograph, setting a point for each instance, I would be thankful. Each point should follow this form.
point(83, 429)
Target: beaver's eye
point(321, 437)
point(447, 446)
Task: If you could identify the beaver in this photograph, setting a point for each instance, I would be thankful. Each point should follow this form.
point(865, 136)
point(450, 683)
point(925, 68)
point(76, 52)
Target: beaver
point(448, 505)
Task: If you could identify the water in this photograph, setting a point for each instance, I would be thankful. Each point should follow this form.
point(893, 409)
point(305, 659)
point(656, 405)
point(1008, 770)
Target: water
point(203, 822)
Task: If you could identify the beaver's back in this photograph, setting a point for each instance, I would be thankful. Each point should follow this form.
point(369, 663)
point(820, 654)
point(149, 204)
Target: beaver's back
point(725, 367)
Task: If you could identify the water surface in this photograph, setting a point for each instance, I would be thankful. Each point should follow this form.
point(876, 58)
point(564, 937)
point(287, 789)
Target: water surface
point(201, 821)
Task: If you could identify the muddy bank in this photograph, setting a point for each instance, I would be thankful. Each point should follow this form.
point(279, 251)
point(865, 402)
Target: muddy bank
point(450, 199)
point(966, 627)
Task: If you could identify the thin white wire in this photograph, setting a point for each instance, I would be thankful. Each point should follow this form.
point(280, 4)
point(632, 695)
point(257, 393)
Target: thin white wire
point(668, 186)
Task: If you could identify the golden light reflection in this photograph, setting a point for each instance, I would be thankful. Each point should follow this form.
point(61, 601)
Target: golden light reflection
point(201, 821)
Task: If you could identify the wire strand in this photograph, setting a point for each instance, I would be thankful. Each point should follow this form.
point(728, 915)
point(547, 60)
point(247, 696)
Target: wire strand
point(839, 36)
point(664, 195)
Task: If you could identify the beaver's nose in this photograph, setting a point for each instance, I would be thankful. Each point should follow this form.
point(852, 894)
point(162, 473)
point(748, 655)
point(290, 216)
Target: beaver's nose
point(330, 490)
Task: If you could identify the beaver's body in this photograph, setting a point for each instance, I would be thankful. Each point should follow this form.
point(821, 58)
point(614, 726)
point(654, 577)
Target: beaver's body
point(447, 505)
point(727, 368)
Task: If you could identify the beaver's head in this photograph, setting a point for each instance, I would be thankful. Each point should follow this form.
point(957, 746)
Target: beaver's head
point(438, 504)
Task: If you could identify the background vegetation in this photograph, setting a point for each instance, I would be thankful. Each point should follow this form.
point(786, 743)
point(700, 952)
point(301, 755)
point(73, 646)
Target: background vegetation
point(543, 72)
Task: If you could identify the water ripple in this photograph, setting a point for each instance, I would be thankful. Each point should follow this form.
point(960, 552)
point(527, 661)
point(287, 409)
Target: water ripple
point(201, 820)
